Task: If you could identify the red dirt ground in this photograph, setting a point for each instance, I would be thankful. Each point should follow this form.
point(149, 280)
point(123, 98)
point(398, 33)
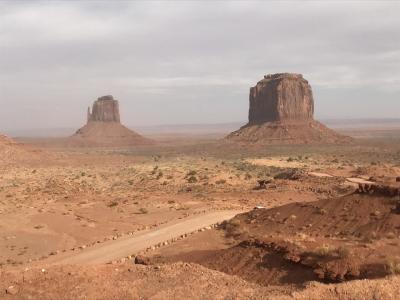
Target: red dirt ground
point(330, 240)
point(307, 132)
point(107, 134)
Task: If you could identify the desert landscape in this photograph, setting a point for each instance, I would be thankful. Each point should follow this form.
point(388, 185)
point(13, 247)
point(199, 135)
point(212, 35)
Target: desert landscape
point(265, 216)
point(199, 150)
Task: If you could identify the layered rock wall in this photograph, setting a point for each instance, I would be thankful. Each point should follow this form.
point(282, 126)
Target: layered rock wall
point(282, 112)
point(281, 97)
point(104, 128)
point(105, 109)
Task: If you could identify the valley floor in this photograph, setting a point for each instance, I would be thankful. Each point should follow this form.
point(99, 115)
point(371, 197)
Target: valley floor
point(58, 203)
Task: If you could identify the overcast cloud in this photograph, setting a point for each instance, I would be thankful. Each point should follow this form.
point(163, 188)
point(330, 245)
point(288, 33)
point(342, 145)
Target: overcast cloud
point(193, 62)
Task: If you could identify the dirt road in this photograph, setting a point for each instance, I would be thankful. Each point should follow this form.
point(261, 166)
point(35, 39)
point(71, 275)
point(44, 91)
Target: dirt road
point(349, 179)
point(123, 247)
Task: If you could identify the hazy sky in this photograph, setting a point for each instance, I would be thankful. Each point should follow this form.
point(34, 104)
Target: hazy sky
point(192, 62)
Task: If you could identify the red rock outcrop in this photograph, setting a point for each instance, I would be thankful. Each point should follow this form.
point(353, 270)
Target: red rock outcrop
point(104, 129)
point(281, 97)
point(105, 109)
point(282, 111)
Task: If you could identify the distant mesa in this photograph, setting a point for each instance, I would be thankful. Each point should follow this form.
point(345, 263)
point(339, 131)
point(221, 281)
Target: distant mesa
point(105, 109)
point(104, 128)
point(279, 98)
point(282, 112)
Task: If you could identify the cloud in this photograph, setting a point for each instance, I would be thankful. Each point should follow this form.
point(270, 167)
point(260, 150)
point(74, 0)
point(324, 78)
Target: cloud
point(59, 56)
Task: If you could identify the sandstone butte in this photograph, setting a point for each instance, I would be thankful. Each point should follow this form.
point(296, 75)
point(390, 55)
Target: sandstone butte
point(104, 128)
point(282, 112)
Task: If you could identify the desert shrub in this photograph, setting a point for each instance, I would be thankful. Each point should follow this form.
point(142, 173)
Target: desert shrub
point(112, 204)
point(361, 170)
point(192, 179)
point(244, 166)
point(323, 251)
point(289, 174)
point(191, 173)
point(390, 235)
point(182, 207)
point(376, 213)
point(343, 252)
point(204, 177)
point(247, 176)
point(233, 228)
point(370, 237)
point(392, 265)
point(160, 175)
point(143, 210)
point(220, 181)
point(154, 171)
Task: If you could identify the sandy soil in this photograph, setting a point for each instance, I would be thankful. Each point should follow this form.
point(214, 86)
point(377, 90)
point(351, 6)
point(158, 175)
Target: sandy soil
point(174, 281)
point(128, 246)
point(60, 202)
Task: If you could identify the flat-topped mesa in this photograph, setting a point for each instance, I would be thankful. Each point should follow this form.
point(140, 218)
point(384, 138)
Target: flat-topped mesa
point(281, 97)
point(105, 109)
point(282, 112)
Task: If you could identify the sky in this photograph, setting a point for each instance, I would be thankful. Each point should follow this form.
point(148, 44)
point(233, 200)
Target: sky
point(193, 62)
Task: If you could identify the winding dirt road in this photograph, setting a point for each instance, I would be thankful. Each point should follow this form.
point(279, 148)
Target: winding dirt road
point(125, 246)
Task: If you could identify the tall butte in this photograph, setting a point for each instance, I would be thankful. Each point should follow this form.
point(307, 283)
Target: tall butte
point(104, 128)
point(282, 112)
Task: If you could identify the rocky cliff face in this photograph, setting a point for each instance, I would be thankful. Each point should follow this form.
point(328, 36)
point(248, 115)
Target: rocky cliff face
point(281, 97)
point(105, 109)
point(282, 112)
point(104, 128)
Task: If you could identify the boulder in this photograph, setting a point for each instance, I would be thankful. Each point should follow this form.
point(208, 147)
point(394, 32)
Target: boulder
point(142, 260)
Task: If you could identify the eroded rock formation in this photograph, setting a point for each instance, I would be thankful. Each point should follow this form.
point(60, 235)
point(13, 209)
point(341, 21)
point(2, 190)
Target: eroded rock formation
point(282, 111)
point(281, 97)
point(104, 127)
point(378, 189)
point(105, 109)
